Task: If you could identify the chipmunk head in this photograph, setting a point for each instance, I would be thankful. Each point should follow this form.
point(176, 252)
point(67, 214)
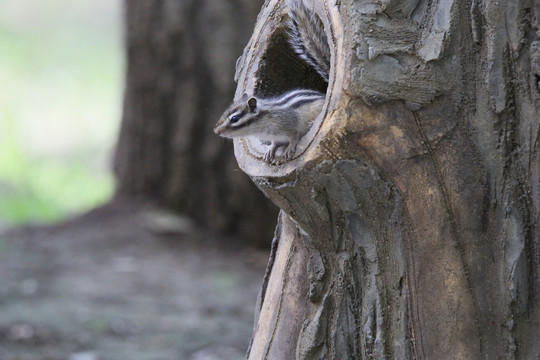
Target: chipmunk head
point(236, 119)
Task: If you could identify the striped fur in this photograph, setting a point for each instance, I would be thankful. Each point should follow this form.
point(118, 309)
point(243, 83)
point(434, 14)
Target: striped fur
point(284, 119)
point(291, 99)
point(279, 120)
point(307, 37)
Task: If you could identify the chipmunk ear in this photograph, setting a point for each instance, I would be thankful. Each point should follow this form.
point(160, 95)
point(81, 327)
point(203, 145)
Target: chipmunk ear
point(252, 103)
point(244, 97)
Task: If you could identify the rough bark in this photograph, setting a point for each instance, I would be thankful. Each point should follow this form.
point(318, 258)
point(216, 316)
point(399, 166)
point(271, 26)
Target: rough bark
point(180, 56)
point(410, 215)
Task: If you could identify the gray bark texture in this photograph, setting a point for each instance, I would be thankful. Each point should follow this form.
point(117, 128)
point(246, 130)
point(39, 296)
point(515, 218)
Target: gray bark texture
point(410, 223)
point(180, 57)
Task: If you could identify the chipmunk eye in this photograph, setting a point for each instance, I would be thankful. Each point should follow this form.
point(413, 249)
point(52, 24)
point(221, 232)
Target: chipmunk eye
point(235, 118)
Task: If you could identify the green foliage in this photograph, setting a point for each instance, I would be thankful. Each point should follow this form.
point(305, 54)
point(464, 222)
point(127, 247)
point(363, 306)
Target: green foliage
point(60, 70)
point(45, 189)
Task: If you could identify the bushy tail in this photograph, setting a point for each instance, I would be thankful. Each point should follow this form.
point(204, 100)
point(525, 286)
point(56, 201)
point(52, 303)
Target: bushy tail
point(307, 37)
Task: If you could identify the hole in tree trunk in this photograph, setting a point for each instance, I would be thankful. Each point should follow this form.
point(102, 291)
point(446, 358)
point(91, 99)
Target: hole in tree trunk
point(281, 69)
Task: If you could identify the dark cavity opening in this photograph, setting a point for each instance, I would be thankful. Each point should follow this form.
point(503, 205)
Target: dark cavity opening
point(281, 69)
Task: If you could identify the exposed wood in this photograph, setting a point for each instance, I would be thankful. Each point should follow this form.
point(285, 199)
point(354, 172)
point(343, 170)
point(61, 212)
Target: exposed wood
point(410, 224)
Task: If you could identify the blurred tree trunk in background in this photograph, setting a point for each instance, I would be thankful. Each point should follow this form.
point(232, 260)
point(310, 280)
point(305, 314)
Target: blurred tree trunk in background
point(180, 66)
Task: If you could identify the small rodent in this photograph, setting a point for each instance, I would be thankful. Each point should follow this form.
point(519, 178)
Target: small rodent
point(284, 119)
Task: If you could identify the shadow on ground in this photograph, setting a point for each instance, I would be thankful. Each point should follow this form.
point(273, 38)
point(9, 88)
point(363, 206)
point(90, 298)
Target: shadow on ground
point(111, 286)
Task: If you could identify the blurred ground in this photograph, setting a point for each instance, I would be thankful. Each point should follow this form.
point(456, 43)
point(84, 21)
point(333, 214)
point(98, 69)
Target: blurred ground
point(123, 283)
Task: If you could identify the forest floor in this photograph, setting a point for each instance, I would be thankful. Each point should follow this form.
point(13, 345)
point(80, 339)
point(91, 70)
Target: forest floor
point(126, 282)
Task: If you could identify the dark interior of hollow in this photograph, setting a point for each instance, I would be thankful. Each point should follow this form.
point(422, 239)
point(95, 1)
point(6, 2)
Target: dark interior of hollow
point(281, 69)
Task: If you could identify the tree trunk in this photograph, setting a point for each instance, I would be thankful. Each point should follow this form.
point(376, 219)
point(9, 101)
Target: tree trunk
point(410, 215)
point(180, 56)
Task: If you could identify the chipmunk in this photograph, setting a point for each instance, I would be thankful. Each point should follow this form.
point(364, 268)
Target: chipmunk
point(284, 119)
point(280, 120)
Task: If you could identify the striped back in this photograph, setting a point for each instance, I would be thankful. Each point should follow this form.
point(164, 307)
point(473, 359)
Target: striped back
point(291, 99)
point(248, 110)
